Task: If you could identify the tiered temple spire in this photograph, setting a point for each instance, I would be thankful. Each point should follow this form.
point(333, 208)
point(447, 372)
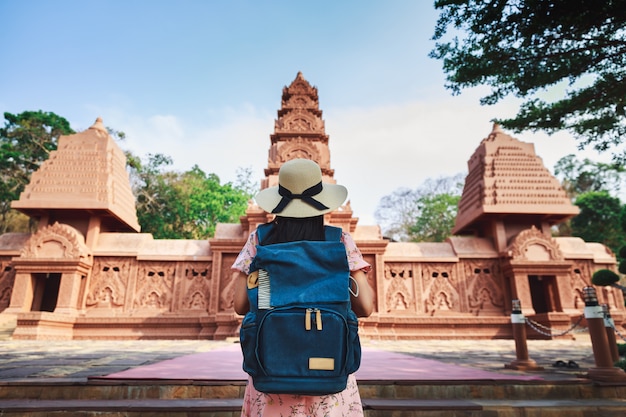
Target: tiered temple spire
point(85, 176)
point(506, 179)
point(299, 132)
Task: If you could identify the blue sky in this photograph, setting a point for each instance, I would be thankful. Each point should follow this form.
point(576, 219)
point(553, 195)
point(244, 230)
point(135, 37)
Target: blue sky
point(201, 81)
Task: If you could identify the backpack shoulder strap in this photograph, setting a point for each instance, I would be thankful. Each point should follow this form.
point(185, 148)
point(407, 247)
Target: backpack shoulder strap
point(262, 231)
point(332, 233)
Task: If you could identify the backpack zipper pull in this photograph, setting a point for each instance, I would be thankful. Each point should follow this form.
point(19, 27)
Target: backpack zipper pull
point(318, 319)
point(307, 319)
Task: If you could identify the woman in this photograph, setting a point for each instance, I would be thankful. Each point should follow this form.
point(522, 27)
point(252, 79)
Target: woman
point(299, 203)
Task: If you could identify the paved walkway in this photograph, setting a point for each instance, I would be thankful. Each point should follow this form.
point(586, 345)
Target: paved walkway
point(77, 360)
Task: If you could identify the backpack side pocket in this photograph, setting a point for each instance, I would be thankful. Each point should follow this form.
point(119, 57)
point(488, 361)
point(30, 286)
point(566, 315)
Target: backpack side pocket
point(248, 335)
point(354, 344)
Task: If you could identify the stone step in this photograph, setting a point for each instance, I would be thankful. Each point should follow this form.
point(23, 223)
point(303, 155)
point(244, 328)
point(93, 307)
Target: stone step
point(373, 408)
point(180, 389)
point(147, 390)
point(64, 389)
point(92, 398)
point(81, 390)
point(8, 322)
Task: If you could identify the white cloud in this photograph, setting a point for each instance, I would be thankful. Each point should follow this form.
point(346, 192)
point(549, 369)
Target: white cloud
point(235, 139)
point(374, 150)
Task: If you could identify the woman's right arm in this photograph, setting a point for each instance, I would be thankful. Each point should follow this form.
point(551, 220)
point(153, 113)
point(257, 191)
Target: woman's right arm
point(240, 269)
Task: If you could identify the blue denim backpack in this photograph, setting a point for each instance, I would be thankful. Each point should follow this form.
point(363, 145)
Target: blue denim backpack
point(300, 335)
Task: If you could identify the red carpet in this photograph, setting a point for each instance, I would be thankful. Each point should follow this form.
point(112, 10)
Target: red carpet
point(376, 365)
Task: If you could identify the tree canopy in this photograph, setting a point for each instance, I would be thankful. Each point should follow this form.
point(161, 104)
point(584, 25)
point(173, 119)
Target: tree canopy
point(436, 218)
point(525, 48)
point(424, 214)
point(579, 177)
point(26, 140)
point(601, 219)
point(187, 205)
point(170, 205)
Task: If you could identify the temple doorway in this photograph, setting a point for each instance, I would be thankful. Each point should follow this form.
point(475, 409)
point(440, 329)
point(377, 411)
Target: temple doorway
point(544, 293)
point(45, 291)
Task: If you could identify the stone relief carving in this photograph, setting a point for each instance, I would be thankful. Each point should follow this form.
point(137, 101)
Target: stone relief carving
point(441, 289)
point(532, 245)
point(300, 87)
point(579, 279)
point(299, 102)
point(7, 278)
point(299, 124)
point(197, 286)
point(484, 293)
point(228, 284)
point(298, 148)
point(399, 287)
point(108, 284)
point(154, 286)
point(56, 241)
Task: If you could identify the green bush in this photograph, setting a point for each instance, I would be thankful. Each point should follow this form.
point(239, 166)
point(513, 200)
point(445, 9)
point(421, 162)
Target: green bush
point(621, 348)
point(621, 364)
point(604, 277)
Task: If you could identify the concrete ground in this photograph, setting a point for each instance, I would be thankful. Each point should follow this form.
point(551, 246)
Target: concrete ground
point(77, 360)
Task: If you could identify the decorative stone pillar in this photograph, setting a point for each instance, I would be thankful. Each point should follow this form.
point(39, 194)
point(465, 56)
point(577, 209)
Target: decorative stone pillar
point(22, 294)
point(72, 285)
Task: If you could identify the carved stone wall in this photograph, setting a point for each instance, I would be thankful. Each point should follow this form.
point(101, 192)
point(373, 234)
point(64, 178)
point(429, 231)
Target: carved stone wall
point(461, 288)
point(7, 277)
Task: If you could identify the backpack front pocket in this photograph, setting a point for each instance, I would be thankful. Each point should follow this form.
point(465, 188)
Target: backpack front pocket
point(300, 341)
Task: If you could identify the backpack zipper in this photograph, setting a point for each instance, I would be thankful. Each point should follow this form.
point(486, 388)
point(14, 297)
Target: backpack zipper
point(318, 318)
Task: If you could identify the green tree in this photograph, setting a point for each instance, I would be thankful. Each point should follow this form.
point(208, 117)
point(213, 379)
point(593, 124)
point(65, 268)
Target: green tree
point(209, 203)
point(525, 48)
point(151, 186)
point(187, 205)
point(26, 140)
point(401, 213)
point(578, 177)
point(600, 219)
point(437, 214)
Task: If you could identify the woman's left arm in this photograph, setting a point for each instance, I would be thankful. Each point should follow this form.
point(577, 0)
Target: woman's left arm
point(363, 303)
point(240, 298)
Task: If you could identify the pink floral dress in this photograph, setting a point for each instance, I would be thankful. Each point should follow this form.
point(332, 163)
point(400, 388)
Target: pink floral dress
point(346, 403)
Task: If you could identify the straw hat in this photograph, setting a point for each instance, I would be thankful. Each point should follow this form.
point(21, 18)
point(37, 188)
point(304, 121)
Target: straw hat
point(300, 192)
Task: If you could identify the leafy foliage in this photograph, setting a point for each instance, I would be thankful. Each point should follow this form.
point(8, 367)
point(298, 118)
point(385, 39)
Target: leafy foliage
point(604, 277)
point(426, 213)
point(600, 219)
point(578, 177)
point(437, 214)
point(187, 205)
point(169, 204)
point(526, 48)
point(26, 140)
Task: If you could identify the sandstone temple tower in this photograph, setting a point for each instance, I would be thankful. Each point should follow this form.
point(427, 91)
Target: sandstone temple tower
point(89, 273)
point(299, 132)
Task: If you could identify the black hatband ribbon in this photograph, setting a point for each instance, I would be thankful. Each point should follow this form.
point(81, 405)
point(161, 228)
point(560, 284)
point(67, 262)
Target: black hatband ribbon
point(306, 197)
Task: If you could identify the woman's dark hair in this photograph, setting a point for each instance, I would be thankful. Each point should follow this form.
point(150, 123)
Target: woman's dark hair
point(290, 229)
